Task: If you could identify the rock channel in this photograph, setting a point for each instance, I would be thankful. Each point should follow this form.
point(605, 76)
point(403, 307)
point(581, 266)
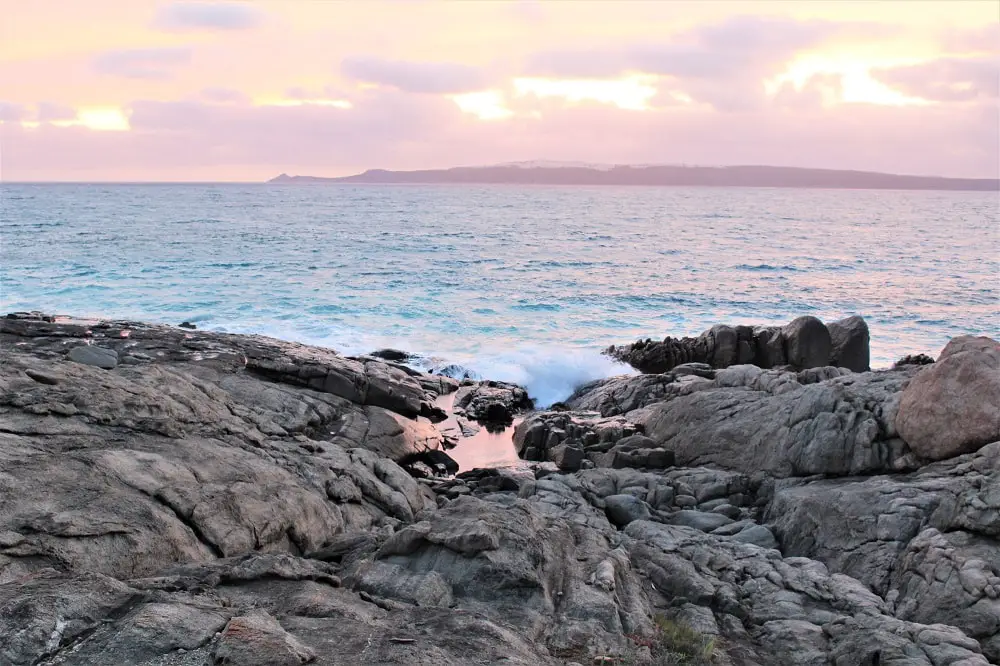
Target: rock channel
point(172, 496)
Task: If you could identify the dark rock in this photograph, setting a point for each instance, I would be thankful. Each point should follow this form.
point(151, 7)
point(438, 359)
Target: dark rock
point(391, 355)
point(100, 357)
point(567, 457)
point(491, 403)
point(913, 359)
point(850, 344)
point(803, 343)
point(623, 509)
point(188, 325)
point(438, 461)
point(807, 343)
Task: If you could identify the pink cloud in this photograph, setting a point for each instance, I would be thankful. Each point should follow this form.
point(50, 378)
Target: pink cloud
point(722, 64)
point(416, 77)
point(49, 111)
point(11, 112)
point(157, 63)
point(207, 15)
point(946, 79)
point(396, 130)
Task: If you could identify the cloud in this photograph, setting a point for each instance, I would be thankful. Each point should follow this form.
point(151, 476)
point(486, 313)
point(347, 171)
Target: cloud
point(11, 112)
point(49, 111)
point(945, 79)
point(722, 64)
point(153, 64)
point(223, 96)
point(416, 77)
point(985, 39)
point(207, 16)
point(390, 129)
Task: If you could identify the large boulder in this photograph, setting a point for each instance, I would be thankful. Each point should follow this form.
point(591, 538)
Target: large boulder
point(807, 343)
point(953, 406)
point(851, 344)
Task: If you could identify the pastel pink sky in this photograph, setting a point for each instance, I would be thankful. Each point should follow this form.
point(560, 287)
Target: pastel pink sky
point(135, 90)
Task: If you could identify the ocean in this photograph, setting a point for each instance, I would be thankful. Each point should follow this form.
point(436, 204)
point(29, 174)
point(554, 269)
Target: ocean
point(518, 283)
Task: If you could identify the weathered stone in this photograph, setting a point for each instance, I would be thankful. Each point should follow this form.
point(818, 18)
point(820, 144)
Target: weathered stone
point(258, 639)
point(807, 343)
point(93, 355)
point(953, 406)
point(850, 344)
point(623, 509)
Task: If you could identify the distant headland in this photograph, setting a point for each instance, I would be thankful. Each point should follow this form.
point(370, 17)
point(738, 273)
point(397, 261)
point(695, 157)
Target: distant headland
point(549, 173)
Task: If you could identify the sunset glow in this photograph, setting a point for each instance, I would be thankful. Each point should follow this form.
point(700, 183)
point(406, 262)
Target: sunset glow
point(159, 85)
point(632, 93)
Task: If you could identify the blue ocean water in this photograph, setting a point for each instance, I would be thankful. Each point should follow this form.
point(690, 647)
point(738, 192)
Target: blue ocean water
point(525, 284)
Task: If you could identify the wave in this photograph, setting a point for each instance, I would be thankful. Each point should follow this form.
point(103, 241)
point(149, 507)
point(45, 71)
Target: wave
point(766, 267)
point(549, 374)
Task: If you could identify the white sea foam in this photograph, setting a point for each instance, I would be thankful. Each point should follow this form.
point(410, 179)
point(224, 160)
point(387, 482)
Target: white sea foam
point(549, 374)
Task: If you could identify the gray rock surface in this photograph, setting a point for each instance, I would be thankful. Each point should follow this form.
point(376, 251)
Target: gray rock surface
point(100, 357)
point(233, 499)
point(491, 402)
point(953, 406)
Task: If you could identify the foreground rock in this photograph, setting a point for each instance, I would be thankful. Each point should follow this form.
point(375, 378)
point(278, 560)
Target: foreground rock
point(953, 407)
point(803, 343)
point(219, 499)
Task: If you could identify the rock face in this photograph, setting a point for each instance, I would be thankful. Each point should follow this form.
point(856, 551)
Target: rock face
point(850, 344)
point(491, 403)
point(804, 343)
point(217, 499)
point(953, 406)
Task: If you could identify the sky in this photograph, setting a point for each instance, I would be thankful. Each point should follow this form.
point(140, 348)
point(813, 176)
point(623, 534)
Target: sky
point(136, 90)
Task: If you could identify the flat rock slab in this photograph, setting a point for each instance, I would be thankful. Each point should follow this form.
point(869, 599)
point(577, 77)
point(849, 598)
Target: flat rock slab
point(96, 356)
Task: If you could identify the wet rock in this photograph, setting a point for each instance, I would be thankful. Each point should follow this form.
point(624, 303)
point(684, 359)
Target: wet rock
point(391, 355)
point(491, 403)
point(913, 359)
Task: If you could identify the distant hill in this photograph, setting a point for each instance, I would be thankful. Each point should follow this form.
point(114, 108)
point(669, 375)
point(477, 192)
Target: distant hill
point(530, 173)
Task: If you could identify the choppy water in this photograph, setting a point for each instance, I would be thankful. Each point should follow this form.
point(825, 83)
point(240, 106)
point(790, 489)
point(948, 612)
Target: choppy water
point(526, 284)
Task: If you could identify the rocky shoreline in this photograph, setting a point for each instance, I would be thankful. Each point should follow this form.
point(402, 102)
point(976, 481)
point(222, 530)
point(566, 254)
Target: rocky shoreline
point(173, 496)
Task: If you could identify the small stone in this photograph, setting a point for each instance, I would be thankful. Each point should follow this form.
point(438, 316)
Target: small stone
point(42, 377)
